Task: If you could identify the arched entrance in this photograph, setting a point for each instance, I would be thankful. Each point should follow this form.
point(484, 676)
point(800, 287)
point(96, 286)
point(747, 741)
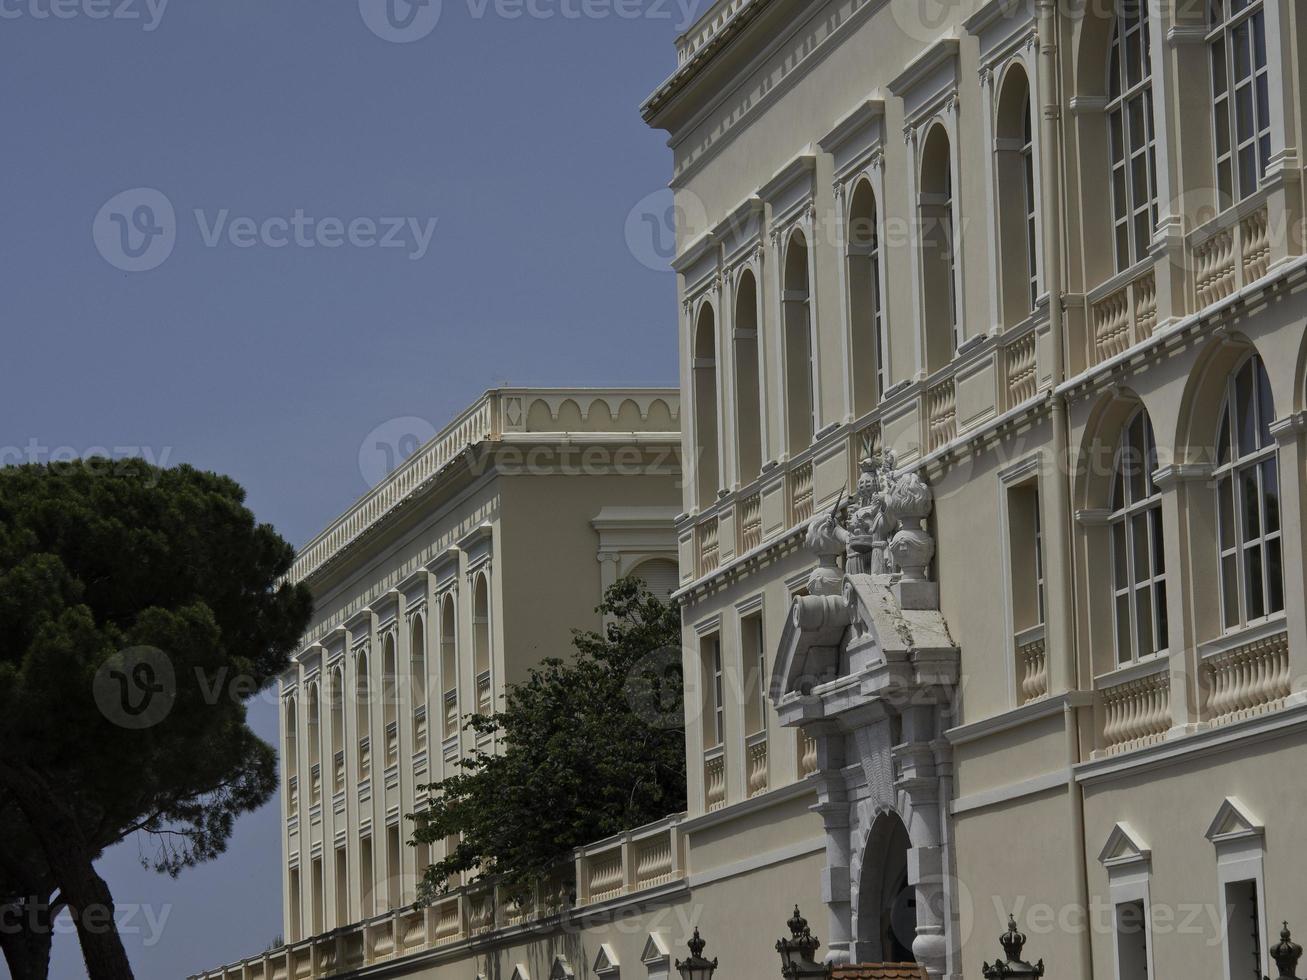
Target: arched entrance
point(887, 904)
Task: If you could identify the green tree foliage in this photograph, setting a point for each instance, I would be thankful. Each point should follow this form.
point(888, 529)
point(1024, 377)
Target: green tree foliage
point(140, 609)
point(583, 748)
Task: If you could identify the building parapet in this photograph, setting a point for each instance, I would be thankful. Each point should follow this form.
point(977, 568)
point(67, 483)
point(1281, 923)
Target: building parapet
point(496, 414)
point(632, 866)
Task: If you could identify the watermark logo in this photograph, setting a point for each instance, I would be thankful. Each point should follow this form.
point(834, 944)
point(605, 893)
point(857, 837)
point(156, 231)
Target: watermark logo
point(387, 446)
point(400, 21)
point(653, 689)
point(651, 226)
point(136, 687)
point(136, 230)
point(148, 12)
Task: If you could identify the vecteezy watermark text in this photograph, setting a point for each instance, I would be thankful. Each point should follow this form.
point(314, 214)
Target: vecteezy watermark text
point(137, 230)
point(148, 12)
point(406, 21)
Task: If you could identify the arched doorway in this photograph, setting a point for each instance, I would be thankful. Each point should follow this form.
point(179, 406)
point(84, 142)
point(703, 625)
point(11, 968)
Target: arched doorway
point(887, 904)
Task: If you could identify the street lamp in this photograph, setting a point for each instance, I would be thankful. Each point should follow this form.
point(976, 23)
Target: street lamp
point(797, 953)
point(696, 966)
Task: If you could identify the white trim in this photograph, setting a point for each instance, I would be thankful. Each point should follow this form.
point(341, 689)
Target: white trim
point(1016, 717)
point(1289, 720)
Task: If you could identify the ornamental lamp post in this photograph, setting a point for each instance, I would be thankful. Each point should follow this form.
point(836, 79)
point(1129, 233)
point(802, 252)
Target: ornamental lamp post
point(1286, 954)
point(1012, 966)
point(797, 959)
point(696, 966)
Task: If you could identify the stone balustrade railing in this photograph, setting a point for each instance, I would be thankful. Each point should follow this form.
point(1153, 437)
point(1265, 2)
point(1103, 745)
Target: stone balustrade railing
point(644, 858)
point(293, 794)
point(1032, 664)
point(392, 743)
point(714, 779)
point(801, 491)
point(708, 546)
point(807, 754)
point(451, 713)
point(420, 728)
point(338, 771)
point(1247, 680)
point(756, 749)
point(706, 28)
point(485, 695)
point(1136, 712)
point(941, 414)
point(629, 864)
point(749, 521)
point(365, 757)
point(315, 784)
point(1229, 255)
point(1123, 317)
point(1021, 368)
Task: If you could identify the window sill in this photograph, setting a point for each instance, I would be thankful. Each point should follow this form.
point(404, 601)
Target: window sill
point(1143, 667)
point(1258, 629)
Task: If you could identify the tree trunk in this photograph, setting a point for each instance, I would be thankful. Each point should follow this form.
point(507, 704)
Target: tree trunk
point(26, 938)
point(70, 861)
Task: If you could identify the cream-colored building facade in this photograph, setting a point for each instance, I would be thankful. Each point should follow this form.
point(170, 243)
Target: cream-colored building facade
point(1050, 258)
point(1052, 261)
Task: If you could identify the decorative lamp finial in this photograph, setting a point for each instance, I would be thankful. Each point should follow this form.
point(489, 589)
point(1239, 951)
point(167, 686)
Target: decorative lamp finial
point(1286, 954)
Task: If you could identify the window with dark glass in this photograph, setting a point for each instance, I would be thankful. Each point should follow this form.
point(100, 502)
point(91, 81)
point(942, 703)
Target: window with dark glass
point(1138, 558)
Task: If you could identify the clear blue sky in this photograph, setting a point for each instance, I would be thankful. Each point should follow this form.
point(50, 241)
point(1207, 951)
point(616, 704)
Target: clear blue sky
point(520, 136)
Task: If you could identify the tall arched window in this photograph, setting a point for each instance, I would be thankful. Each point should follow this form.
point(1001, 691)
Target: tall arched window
point(705, 405)
point(449, 664)
point(481, 644)
point(864, 300)
point(800, 405)
point(418, 681)
point(938, 250)
point(291, 757)
point(1248, 500)
point(748, 393)
point(390, 699)
point(336, 697)
point(363, 714)
point(1240, 96)
point(1138, 557)
point(1130, 135)
point(314, 736)
point(1014, 160)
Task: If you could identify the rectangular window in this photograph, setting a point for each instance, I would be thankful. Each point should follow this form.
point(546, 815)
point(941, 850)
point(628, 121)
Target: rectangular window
point(394, 874)
point(714, 692)
point(293, 931)
point(367, 903)
point(755, 661)
point(1243, 924)
point(1026, 555)
point(1131, 925)
point(342, 887)
point(318, 898)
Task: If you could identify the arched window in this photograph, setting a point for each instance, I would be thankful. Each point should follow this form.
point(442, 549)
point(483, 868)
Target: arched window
point(291, 757)
point(418, 681)
point(660, 576)
point(363, 714)
point(800, 406)
point(1240, 96)
point(390, 699)
point(336, 698)
point(748, 403)
point(938, 251)
point(1248, 500)
point(449, 664)
point(864, 300)
point(705, 405)
point(481, 644)
point(1014, 161)
point(1130, 134)
point(314, 735)
point(1138, 558)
